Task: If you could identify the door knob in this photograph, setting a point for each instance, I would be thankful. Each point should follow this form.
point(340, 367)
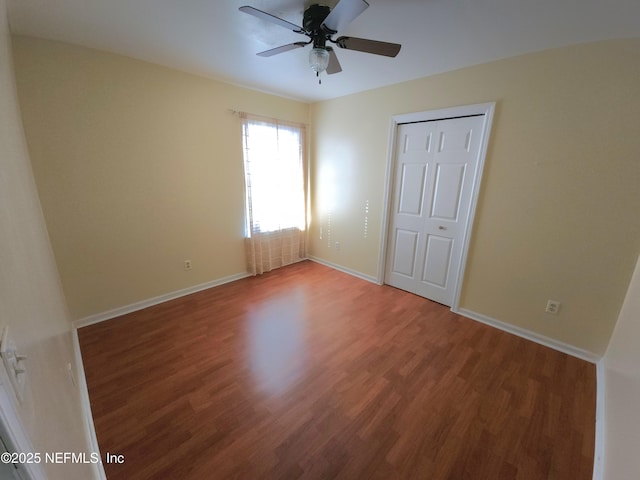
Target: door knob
point(441, 227)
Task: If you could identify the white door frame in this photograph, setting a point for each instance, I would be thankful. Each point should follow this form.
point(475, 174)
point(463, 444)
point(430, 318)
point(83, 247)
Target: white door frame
point(485, 109)
point(14, 432)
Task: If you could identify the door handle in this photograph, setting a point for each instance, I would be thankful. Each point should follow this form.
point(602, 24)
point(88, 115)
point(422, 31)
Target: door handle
point(441, 227)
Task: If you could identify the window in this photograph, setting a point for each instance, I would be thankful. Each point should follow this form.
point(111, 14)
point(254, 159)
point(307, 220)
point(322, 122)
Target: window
point(274, 168)
point(274, 176)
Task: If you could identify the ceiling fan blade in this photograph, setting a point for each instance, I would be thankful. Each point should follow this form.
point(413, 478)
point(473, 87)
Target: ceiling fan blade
point(334, 64)
point(369, 46)
point(271, 18)
point(343, 14)
point(282, 49)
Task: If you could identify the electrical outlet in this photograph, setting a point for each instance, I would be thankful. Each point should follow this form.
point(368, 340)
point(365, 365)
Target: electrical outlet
point(553, 307)
point(338, 246)
point(187, 265)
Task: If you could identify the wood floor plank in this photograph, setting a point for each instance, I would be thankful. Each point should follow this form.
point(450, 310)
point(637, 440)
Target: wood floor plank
point(309, 373)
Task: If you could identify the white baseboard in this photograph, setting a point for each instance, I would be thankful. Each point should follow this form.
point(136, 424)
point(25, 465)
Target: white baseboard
point(521, 332)
point(85, 404)
point(598, 454)
point(355, 273)
point(529, 335)
point(598, 468)
point(116, 312)
point(89, 426)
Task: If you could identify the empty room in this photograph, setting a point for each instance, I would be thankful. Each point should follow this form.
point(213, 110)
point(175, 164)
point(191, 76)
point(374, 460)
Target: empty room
point(288, 240)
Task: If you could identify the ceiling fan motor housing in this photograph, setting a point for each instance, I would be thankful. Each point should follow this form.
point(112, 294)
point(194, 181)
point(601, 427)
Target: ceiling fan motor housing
point(320, 23)
point(312, 23)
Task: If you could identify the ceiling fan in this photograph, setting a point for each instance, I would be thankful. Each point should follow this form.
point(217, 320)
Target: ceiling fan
point(320, 24)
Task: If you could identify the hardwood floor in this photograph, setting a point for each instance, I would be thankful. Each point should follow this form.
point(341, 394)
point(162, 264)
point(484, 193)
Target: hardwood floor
point(307, 372)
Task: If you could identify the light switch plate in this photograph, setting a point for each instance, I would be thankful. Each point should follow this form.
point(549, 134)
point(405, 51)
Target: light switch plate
point(13, 362)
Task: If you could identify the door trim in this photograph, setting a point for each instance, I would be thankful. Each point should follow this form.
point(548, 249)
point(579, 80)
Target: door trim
point(486, 109)
point(13, 432)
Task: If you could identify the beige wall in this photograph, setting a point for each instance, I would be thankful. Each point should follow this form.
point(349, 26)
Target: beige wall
point(558, 210)
point(622, 390)
point(139, 168)
point(31, 300)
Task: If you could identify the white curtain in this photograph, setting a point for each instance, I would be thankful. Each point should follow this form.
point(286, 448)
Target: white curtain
point(275, 189)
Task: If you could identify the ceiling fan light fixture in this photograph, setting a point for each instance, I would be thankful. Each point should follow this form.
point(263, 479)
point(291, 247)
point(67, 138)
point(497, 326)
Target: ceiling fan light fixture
point(320, 23)
point(318, 59)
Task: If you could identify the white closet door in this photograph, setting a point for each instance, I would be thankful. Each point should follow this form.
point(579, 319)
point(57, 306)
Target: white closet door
point(435, 166)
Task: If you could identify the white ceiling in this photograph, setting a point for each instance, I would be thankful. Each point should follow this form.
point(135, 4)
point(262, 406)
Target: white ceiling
point(213, 38)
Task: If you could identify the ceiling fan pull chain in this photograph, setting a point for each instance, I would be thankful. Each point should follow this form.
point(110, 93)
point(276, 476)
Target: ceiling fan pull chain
point(320, 23)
